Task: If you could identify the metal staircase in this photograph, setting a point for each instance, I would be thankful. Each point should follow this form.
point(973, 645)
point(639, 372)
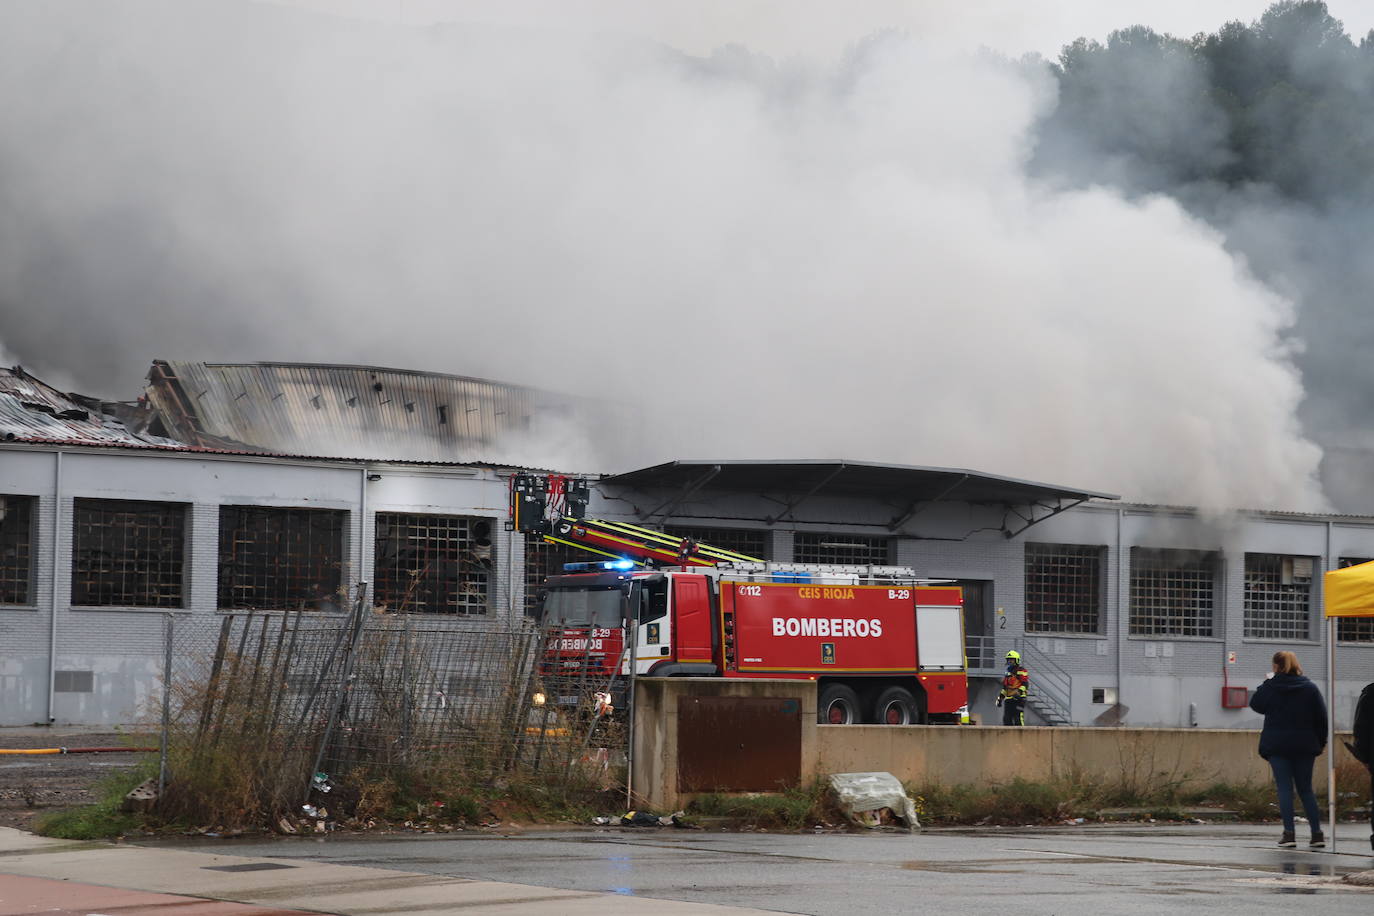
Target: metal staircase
point(1051, 687)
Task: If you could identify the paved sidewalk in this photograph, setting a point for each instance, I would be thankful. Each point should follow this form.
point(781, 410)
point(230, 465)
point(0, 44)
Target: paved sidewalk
point(297, 884)
point(25, 896)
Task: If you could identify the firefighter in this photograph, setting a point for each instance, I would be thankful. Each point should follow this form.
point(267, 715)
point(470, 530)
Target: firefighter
point(1015, 687)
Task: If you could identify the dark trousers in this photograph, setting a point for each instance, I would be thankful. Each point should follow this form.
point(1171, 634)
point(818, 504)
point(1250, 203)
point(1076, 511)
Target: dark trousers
point(1290, 772)
point(1013, 711)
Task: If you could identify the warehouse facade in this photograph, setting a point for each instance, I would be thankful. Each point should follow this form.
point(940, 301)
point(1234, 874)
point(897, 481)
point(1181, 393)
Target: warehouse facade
point(1127, 614)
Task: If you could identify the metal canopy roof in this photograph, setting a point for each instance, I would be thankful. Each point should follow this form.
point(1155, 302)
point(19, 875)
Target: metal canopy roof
point(916, 487)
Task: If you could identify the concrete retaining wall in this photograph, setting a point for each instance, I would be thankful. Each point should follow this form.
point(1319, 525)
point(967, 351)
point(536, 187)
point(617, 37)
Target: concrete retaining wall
point(1136, 756)
point(925, 754)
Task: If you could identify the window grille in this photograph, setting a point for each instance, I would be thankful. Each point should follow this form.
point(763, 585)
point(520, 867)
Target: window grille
point(841, 549)
point(1063, 588)
point(433, 564)
point(16, 549)
point(542, 560)
point(1173, 592)
point(1354, 629)
point(740, 540)
point(280, 559)
point(127, 553)
point(1278, 596)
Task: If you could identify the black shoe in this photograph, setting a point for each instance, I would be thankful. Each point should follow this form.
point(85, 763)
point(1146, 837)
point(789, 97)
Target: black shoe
point(1318, 840)
point(1288, 839)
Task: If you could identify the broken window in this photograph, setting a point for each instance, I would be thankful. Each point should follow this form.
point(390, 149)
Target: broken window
point(276, 559)
point(842, 549)
point(739, 540)
point(433, 564)
point(1354, 629)
point(542, 560)
point(1063, 588)
point(16, 549)
point(128, 554)
point(1173, 592)
point(1278, 596)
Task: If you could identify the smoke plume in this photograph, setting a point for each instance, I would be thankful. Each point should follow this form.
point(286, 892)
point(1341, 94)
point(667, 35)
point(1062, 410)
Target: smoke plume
point(814, 257)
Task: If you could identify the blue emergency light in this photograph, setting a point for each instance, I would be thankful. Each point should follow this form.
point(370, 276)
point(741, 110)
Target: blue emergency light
point(594, 566)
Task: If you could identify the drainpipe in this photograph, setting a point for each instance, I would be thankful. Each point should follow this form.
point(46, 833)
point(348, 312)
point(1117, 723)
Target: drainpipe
point(362, 533)
point(1330, 701)
point(52, 593)
point(1122, 611)
point(510, 577)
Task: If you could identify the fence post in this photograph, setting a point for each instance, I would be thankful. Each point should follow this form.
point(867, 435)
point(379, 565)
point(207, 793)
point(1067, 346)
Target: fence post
point(633, 639)
point(168, 623)
point(339, 697)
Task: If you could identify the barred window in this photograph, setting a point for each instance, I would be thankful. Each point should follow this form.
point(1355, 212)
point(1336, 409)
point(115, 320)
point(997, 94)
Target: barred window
point(841, 549)
point(16, 549)
point(128, 554)
point(1173, 592)
point(433, 564)
point(542, 560)
point(1354, 629)
point(751, 543)
point(1063, 588)
point(1278, 596)
point(277, 559)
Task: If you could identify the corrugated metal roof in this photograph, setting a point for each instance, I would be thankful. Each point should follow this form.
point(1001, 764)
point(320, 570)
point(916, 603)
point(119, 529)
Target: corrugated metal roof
point(346, 411)
point(31, 411)
point(193, 450)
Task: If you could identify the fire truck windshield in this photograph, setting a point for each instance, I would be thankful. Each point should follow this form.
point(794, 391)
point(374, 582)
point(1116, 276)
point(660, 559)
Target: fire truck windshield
point(581, 607)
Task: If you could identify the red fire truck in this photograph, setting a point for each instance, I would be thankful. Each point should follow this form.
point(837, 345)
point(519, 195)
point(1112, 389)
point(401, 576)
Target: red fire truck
point(884, 646)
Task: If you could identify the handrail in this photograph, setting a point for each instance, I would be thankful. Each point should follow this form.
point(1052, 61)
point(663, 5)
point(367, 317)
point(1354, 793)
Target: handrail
point(981, 652)
point(1050, 684)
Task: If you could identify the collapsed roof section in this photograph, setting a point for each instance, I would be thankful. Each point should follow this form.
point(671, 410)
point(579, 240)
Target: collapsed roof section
point(33, 411)
point(349, 411)
point(913, 489)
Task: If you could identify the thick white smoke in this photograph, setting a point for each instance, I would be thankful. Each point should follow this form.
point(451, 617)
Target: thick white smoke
point(818, 258)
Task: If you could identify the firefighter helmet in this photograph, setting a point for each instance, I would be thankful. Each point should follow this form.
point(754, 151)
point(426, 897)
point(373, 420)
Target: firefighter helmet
point(1014, 655)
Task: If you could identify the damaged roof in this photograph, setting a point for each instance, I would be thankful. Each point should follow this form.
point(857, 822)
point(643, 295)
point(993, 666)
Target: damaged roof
point(33, 411)
point(346, 411)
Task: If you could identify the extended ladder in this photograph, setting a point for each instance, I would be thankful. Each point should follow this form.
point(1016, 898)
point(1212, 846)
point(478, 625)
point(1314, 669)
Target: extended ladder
point(644, 545)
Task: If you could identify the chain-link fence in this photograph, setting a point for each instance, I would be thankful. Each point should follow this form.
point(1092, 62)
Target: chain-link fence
point(258, 703)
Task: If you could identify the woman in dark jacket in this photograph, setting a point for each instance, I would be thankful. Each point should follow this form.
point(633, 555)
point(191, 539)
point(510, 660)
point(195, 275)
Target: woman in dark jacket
point(1294, 734)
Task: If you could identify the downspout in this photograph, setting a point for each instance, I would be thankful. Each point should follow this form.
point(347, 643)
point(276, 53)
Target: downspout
point(1330, 702)
point(510, 576)
point(362, 533)
point(1122, 611)
point(52, 592)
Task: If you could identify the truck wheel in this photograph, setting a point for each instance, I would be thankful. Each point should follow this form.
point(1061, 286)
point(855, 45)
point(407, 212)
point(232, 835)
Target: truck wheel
point(838, 705)
point(896, 706)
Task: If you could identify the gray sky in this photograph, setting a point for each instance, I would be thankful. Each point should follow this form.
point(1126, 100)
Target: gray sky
point(834, 256)
point(824, 27)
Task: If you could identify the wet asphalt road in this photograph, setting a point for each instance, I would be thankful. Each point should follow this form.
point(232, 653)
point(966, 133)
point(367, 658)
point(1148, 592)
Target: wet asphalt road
point(1092, 870)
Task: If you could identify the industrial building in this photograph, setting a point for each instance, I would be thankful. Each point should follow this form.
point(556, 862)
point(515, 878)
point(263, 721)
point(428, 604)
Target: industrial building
point(219, 490)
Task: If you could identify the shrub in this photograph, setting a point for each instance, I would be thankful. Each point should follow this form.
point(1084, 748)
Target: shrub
point(103, 818)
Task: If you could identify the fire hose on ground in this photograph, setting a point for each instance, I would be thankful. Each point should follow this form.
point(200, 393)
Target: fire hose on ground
point(36, 751)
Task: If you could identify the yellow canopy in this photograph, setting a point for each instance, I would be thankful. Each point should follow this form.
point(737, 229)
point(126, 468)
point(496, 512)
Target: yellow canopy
point(1350, 591)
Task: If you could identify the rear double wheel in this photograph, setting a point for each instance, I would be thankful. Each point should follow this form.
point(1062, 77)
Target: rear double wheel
point(897, 706)
point(838, 705)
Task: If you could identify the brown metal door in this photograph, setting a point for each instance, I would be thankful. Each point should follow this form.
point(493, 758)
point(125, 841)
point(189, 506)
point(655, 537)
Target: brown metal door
point(738, 744)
